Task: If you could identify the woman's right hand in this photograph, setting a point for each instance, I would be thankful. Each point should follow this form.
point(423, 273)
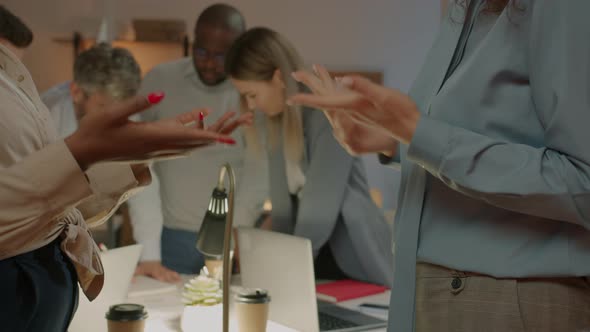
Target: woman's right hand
point(352, 132)
point(110, 135)
point(357, 138)
point(376, 106)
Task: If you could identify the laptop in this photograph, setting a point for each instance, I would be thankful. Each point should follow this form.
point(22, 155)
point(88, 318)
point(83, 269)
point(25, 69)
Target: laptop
point(119, 265)
point(283, 265)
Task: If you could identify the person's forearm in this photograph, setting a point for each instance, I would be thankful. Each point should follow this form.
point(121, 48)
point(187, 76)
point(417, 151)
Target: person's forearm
point(145, 212)
point(517, 177)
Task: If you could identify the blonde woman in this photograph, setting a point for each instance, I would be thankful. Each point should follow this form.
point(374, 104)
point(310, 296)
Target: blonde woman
point(318, 191)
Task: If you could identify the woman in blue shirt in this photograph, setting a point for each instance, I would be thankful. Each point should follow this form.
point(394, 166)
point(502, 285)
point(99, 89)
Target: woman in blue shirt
point(492, 233)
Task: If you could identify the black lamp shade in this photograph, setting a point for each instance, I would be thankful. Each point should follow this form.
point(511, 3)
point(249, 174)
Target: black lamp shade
point(211, 235)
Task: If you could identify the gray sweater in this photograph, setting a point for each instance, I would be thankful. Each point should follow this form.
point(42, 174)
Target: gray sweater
point(181, 188)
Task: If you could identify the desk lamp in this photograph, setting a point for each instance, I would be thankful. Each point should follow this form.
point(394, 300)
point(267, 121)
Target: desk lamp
point(214, 237)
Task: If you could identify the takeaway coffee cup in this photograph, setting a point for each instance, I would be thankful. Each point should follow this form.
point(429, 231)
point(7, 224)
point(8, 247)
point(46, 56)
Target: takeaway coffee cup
point(126, 317)
point(252, 306)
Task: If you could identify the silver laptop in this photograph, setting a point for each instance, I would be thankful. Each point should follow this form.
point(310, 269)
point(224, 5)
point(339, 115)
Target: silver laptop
point(119, 265)
point(283, 265)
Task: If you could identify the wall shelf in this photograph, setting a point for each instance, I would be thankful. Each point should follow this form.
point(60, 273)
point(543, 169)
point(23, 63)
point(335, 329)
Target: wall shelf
point(80, 43)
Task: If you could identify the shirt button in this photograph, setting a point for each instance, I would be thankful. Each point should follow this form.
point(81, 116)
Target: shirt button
point(456, 283)
point(20, 78)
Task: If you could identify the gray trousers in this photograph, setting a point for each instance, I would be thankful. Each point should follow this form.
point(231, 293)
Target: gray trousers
point(448, 300)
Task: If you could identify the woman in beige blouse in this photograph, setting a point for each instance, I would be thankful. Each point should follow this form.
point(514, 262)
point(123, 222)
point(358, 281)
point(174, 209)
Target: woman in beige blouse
point(51, 189)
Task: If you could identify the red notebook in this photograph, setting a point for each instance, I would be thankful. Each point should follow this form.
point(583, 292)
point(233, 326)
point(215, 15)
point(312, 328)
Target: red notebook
point(343, 290)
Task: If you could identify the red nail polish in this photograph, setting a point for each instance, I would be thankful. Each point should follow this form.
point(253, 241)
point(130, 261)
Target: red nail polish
point(229, 141)
point(201, 116)
point(155, 97)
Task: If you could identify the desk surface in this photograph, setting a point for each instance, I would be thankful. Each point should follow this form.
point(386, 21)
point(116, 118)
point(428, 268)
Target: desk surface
point(163, 304)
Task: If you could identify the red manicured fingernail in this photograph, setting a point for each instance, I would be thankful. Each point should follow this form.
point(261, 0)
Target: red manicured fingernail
point(155, 97)
point(201, 116)
point(229, 141)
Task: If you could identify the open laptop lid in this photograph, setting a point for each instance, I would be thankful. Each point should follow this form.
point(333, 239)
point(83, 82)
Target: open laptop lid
point(283, 265)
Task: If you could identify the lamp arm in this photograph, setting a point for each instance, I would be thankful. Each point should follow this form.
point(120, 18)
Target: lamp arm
point(227, 241)
point(222, 172)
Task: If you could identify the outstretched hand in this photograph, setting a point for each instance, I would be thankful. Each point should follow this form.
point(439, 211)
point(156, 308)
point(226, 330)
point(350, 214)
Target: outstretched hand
point(110, 135)
point(355, 134)
point(370, 103)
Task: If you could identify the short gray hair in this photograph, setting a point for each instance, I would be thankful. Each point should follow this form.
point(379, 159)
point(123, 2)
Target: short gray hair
point(111, 70)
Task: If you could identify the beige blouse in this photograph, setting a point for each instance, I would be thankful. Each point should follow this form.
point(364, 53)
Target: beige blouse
point(43, 192)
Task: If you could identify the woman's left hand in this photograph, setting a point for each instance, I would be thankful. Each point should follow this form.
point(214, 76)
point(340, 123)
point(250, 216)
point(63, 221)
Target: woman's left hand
point(389, 109)
point(353, 133)
point(226, 125)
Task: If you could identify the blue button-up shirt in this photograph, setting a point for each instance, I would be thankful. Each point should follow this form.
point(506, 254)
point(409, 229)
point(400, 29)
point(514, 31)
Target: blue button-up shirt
point(496, 179)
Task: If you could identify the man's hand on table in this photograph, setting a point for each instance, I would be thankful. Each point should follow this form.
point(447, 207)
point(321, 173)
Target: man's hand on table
point(156, 270)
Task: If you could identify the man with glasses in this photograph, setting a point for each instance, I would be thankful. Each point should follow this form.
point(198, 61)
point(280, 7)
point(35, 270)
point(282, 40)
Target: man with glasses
point(167, 216)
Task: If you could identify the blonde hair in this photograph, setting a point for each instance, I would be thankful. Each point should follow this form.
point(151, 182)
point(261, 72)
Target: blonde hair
point(255, 56)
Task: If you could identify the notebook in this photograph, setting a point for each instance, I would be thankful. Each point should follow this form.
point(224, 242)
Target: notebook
point(343, 290)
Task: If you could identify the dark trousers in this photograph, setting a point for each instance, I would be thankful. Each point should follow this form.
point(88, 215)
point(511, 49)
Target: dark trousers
point(325, 266)
point(38, 291)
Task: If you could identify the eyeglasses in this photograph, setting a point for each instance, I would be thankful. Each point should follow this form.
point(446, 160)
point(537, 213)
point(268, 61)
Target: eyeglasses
point(202, 54)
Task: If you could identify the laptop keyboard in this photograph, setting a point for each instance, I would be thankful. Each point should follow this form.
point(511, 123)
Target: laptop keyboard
point(329, 323)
